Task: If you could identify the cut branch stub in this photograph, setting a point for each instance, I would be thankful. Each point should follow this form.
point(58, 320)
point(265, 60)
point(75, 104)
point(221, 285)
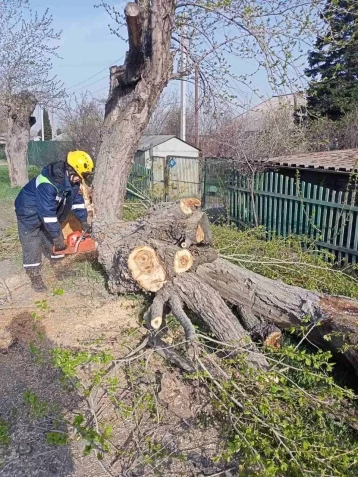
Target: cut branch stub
point(155, 314)
point(189, 205)
point(183, 261)
point(146, 269)
point(196, 230)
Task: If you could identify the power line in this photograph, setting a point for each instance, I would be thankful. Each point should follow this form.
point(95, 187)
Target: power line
point(98, 90)
point(91, 84)
point(93, 76)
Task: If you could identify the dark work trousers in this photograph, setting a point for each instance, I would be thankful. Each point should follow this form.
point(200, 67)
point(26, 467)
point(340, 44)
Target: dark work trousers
point(35, 243)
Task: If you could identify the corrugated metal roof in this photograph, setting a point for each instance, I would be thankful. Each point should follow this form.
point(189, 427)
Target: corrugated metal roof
point(342, 160)
point(146, 142)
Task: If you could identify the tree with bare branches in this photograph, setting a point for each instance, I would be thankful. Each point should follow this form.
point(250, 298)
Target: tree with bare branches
point(26, 47)
point(81, 123)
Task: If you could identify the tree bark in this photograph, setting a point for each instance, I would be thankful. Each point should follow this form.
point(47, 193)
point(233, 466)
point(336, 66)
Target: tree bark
point(20, 109)
point(148, 255)
point(134, 92)
point(287, 306)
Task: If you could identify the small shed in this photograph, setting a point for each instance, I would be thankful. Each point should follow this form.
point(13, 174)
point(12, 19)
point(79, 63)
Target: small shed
point(162, 145)
point(173, 166)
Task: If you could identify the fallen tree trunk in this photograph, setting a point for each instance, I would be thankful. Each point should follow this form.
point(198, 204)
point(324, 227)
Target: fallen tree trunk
point(335, 317)
point(168, 253)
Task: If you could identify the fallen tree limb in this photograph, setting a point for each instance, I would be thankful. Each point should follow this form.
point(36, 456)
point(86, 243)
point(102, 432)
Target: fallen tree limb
point(288, 306)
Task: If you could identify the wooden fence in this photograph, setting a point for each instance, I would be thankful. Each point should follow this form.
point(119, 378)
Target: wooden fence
point(287, 206)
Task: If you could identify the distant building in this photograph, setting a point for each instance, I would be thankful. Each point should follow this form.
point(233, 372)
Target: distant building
point(331, 169)
point(162, 145)
point(174, 165)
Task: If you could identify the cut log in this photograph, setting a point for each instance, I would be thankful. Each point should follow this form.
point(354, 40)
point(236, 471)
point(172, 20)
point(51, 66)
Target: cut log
point(260, 330)
point(163, 230)
point(149, 255)
point(288, 306)
point(155, 315)
point(209, 306)
point(146, 269)
point(196, 230)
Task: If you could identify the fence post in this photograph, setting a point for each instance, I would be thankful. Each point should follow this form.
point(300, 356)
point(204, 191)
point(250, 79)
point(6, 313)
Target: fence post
point(203, 192)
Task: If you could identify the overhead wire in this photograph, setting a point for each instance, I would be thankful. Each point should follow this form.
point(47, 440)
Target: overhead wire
point(96, 74)
point(93, 76)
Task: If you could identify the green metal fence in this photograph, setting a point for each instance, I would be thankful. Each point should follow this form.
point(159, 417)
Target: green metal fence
point(287, 206)
point(139, 181)
point(216, 177)
point(40, 153)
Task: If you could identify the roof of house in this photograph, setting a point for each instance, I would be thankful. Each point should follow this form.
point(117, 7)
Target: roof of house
point(342, 160)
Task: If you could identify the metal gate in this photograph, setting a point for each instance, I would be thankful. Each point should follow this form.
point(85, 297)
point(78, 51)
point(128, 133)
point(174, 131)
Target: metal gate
point(174, 177)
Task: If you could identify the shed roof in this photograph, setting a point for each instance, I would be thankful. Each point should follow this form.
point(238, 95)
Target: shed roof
point(342, 160)
point(146, 142)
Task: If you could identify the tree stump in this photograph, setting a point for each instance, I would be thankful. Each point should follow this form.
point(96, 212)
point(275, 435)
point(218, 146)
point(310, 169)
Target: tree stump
point(168, 253)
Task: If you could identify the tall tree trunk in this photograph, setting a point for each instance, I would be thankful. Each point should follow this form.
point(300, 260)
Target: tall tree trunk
point(134, 92)
point(20, 109)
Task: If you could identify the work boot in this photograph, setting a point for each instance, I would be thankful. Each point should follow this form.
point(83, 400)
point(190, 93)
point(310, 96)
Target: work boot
point(36, 279)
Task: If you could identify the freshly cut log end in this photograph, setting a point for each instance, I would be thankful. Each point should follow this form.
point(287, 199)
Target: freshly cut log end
point(146, 269)
point(183, 261)
point(200, 235)
point(273, 340)
point(156, 322)
point(189, 205)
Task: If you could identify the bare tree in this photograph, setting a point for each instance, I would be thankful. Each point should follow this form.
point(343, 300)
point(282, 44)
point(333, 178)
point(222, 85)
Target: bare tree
point(26, 48)
point(270, 32)
point(81, 123)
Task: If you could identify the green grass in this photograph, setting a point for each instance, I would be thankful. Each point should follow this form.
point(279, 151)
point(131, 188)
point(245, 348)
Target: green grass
point(284, 259)
point(6, 191)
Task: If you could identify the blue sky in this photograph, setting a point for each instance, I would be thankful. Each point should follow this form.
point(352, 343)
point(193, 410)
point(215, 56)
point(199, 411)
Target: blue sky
point(87, 47)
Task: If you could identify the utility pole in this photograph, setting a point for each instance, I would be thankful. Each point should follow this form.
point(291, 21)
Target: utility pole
point(42, 124)
point(196, 106)
point(52, 123)
point(183, 86)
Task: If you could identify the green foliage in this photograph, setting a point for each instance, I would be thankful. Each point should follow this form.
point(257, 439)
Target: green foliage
point(133, 210)
point(4, 433)
point(38, 408)
point(283, 259)
point(56, 438)
point(333, 64)
point(289, 421)
point(95, 440)
point(68, 361)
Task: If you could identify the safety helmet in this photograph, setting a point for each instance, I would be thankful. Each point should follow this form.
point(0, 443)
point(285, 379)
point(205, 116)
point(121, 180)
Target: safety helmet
point(81, 163)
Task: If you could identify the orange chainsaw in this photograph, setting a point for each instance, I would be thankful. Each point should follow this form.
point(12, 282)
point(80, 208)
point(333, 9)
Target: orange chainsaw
point(78, 242)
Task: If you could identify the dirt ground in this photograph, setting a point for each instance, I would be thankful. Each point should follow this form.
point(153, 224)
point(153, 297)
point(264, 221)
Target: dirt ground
point(159, 423)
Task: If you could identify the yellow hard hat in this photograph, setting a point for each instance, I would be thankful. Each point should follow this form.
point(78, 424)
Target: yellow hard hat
point(81, 163)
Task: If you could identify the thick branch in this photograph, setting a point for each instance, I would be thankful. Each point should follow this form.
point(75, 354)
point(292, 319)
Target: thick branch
point(287, 306)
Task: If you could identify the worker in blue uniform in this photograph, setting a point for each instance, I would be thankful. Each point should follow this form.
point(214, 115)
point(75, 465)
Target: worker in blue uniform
point(43, 204)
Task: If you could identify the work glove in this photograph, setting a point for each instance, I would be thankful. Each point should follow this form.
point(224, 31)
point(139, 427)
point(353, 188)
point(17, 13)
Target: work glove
point(59, 243)
point(86, 227)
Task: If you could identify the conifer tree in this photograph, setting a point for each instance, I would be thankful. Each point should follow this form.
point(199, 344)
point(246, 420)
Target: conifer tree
point(333, 64)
